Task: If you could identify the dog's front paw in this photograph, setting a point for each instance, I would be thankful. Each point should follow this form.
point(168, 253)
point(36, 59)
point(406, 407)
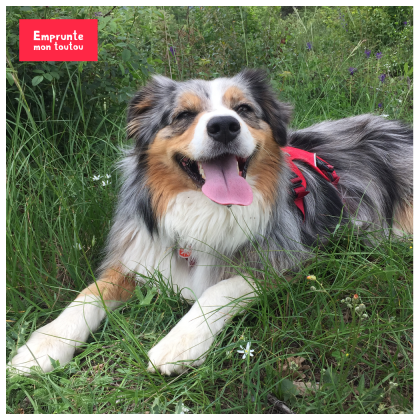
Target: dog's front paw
point(178, 350)
point(42, 343)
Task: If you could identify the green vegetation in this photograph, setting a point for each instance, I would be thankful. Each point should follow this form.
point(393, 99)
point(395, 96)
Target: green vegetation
point(65, 125)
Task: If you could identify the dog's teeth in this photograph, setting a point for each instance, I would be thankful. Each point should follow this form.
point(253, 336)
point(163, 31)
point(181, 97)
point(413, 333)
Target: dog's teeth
point(201, 170)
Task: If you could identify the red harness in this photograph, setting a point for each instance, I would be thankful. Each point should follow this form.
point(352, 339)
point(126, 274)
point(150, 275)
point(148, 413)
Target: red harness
point(299, 182)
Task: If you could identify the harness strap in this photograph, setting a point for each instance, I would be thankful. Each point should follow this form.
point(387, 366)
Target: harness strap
point(322, 167)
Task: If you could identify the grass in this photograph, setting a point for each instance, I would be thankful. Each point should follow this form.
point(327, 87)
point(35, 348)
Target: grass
point(58, 215)
point(360, 358)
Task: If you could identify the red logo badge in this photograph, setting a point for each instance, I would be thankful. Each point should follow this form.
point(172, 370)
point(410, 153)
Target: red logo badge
point(58, 40)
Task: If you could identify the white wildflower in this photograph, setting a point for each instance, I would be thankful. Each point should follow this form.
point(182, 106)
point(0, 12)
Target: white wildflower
point(108, 176)
point(362, 307)
point(96, 177)
point(77, 246)
point(184, 409)
point(381, 407)
point(293, 365)
point(105, 183)
point(246, 351)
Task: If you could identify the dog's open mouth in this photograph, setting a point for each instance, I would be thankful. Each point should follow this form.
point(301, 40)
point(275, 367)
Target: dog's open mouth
point(221, 179)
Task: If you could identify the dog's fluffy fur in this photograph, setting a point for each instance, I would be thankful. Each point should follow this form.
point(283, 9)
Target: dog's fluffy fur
point(162, 207)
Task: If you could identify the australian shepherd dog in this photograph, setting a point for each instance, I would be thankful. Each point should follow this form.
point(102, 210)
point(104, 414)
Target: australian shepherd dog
point(208, 180)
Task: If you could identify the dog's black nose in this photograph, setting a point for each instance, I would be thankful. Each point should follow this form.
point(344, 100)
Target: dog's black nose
point(223, 129)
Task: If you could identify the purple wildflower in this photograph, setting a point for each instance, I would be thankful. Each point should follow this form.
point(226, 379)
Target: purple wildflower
point(380, 105)
point(343, 20)
point(382, 77)
point(309, 46)
point(367, 52)
point(405, 23)
point(352, 70)
point(98, 13)
point(378, 55)
point(172, 50)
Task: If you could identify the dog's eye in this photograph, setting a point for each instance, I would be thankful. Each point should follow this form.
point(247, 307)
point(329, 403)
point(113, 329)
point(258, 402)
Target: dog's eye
point(184, 115)
point(243, 108)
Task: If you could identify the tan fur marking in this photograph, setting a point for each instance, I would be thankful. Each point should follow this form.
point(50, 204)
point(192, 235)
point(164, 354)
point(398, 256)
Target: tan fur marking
point(144, 104)
point(165, 178)
point(404, 218)
point(112, 286)
point(133, 125)
point(265, 165)
point(191, 102)
point(233, 96)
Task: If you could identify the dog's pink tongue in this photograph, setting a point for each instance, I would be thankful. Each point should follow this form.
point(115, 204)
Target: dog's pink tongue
point(223, 183)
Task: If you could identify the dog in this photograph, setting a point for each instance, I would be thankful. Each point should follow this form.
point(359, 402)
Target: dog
point(213, 174)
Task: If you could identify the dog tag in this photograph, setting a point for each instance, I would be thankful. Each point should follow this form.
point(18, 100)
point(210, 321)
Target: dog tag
point(184, 253)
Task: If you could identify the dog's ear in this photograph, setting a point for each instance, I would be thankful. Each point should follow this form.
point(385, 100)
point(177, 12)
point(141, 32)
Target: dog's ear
point(149, 110)
point(277, 114)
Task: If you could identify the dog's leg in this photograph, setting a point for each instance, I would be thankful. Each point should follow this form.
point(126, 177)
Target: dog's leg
point(194, 334)
point(59, 338)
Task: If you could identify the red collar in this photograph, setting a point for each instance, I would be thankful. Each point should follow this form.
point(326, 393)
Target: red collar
point(299, 182)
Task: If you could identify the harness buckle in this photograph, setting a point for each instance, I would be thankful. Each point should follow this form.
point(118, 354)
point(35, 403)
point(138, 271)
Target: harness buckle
point(299, 192)
point(328, 170)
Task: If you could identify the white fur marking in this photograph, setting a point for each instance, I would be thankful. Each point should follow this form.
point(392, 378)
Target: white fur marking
point(59, 338)
point(191, 338)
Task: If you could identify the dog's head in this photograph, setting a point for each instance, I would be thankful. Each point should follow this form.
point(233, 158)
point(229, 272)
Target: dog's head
point(209, 136)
